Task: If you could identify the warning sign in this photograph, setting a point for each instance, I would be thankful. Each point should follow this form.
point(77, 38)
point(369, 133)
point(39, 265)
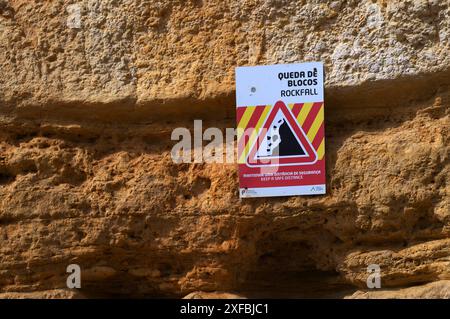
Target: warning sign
point(280, 121)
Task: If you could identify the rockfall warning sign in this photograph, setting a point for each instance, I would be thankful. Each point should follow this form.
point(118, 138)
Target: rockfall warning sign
point(280, 126)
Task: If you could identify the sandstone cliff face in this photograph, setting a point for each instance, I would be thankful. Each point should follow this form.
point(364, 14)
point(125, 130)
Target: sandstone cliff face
point(86, 175)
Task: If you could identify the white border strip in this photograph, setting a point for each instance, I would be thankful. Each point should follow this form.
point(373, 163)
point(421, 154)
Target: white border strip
point(282, 191)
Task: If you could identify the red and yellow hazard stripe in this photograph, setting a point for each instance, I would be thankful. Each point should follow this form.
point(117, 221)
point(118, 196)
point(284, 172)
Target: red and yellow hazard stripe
point(311, 118)
point(252, 119)
point(309, 115)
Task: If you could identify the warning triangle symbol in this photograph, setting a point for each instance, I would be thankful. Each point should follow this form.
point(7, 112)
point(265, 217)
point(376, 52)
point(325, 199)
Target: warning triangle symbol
point(281, 141)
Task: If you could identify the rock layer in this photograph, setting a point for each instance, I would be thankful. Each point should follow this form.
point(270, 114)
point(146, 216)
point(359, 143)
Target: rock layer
point(438, 289)
point(86, 175)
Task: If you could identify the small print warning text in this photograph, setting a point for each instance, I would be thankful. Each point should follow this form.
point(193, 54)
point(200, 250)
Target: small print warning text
point(283, 176)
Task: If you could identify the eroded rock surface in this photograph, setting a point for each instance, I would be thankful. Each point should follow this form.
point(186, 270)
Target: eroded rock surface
point(86, 175)
point(434, 290)
point(46, 294)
